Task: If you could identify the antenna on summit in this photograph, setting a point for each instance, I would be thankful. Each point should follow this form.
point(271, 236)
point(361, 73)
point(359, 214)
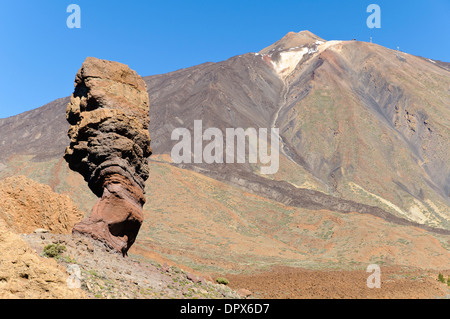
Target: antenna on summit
point(370, 39)
point(398, 55)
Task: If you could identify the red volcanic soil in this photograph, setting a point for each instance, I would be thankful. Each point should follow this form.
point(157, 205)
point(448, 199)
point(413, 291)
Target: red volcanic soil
point(297, 283)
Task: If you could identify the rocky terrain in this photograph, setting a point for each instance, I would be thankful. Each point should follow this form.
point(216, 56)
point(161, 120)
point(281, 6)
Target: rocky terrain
point(89, 269)
point(28, 205)
point(78, 266)
point(109, 147)
point(295, 283)
point(24, 274)
point(363, 178)
point(386, 147)
point(102, 273)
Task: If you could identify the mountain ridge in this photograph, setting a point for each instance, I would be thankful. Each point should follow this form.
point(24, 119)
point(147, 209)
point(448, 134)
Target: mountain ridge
point(259, 103)
point(360, 133)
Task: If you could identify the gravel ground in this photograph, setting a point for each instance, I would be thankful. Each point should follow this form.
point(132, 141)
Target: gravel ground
point(105, 274)
point(297, 283)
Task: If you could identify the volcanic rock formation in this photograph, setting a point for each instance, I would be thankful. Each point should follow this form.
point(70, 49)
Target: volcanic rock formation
point(109, 147)
point(27, 205)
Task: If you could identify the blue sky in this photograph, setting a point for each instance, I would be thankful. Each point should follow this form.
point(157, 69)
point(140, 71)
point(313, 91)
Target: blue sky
point(40, 55)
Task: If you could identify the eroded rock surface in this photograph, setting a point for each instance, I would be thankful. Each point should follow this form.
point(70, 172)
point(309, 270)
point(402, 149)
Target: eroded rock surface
point(26, 275)
point(27, 205)
point(109, 146)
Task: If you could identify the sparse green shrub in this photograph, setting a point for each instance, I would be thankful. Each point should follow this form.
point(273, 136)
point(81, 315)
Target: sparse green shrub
point(441, 278)
point(54, 250)
point(70, 260)
point(448, 281)
point(176, 270)
point(94, 273)
point(222, 281)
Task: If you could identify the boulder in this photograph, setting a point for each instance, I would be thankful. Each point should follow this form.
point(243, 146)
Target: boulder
point(28, 206)
point(244, 293)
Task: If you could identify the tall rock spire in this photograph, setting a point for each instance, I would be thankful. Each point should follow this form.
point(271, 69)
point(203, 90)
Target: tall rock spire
point(109, 146)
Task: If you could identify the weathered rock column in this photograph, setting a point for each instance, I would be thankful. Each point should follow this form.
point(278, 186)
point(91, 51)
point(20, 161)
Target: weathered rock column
point(109, 147)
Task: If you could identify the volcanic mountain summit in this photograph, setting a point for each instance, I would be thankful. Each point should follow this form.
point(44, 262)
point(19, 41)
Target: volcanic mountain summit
point(356, 121)
point(291, 41)
point(364, 140)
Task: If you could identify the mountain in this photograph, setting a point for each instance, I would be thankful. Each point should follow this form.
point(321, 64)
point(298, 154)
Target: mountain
point(356, 121)
point(364, 170)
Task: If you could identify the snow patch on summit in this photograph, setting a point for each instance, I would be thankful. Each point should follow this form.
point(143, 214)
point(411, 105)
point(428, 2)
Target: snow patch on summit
point(288, 61)
point(289, 58)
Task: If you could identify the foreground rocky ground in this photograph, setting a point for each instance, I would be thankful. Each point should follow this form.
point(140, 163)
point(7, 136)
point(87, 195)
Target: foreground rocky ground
point(24, 274)
point(27, 270)
point(33, 217)
point(105, 274)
